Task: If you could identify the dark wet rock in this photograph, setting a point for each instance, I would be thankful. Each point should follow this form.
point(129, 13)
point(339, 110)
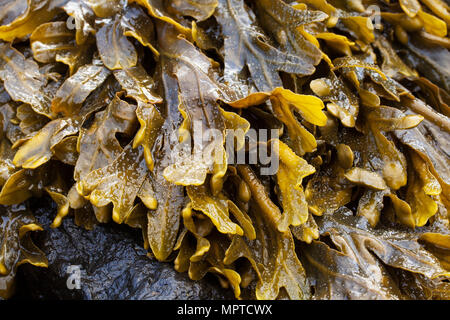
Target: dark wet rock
point(113, 262)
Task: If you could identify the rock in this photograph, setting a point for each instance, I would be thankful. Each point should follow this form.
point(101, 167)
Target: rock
point(113, 265)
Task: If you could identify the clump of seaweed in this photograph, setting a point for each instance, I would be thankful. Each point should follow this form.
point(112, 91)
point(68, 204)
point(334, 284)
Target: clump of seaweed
point(96, 98)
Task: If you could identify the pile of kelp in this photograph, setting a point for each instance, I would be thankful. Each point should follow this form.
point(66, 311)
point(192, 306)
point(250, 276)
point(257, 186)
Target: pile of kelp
point(97, 95)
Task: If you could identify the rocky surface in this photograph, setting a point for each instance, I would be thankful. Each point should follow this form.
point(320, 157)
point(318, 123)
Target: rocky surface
point(113, 262)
